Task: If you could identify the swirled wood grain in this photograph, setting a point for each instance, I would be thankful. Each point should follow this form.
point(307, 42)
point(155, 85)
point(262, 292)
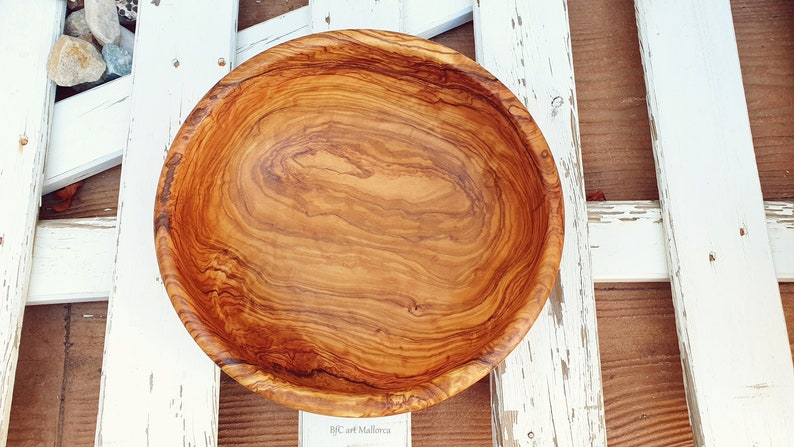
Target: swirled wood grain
point(358, 223)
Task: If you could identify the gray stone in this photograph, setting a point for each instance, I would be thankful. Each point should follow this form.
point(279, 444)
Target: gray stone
point(76, 25)
point(103, 19)
point(74, 61)
point(117, 60)
point(127, 40)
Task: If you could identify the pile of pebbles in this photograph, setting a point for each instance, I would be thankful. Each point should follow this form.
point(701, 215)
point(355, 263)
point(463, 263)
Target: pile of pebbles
point(96, 45)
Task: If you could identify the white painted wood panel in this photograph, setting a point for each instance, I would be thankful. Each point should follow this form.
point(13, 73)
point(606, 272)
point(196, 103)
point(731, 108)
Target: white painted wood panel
point(780, 226)
point(329, 431)
point(626, 244)
point(27, 99)
point(428, 19)
point(157, 387)
point(329, 15)
point(734, 347)
point(548, 391)
point(72, 260)
point(255, 39)
point(104, 110)
point(89, 132)
point(626, 241)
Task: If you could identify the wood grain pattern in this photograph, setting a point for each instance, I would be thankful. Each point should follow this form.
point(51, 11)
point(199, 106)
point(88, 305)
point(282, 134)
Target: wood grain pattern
point(461, 421)
point(98, 197)
point(251, 12)
point(765, 40)
point(249, 420)
point(86, 323)
point(35, 416)
point(610, 91)
point(644, 398)
point(341, 212)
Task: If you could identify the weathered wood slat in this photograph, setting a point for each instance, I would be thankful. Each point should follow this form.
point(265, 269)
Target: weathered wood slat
point(626, 244)
point(27, 100)
point(72, 260)
point(89, 132)
point(340, 14)
point(329, 431)
point(104, 110)
point(627, 241)
point(734, 347)
point(548, 391)
point(157, 387)
point(258, 38)
point(429, 19)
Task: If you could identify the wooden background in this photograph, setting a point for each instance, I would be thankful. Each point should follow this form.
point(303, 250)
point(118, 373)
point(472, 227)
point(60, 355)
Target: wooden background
point(57, 383)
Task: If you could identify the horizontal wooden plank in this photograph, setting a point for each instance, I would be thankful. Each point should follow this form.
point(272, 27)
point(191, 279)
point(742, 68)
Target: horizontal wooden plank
point(73, 260)
point(88, 134)
point(627, 240)
point(103, 112)
point(626, 243)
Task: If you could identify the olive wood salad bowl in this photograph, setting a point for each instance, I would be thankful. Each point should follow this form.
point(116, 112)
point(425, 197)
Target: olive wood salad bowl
point(358, 223)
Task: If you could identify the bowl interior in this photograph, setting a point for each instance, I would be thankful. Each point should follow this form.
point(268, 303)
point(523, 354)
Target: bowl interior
point(358, 223)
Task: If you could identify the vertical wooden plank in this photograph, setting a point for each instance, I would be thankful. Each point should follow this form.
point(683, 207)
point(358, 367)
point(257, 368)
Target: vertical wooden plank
point(157, 387)
point(27, 100)
point(548, 391)
point(317, 430)
point(329, 15)
point(737, 365)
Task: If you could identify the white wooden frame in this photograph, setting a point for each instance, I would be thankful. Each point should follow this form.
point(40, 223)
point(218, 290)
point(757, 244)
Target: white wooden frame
point(27, 100)
point(626, 245)
point(628, 241)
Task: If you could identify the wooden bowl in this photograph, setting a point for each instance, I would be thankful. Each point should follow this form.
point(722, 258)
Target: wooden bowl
point(358, 223)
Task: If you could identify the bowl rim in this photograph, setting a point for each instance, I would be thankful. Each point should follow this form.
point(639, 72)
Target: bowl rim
point(451, 381)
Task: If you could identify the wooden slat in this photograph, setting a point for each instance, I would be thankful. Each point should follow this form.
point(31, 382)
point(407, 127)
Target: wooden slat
point(329, 431)
point(627, 241)
point(626, 245)
point(548, 391)
point(104, 110)
point(329, 15)
point(255, 39)
point(72, 260)
point(157, 387)
point(89, 132)
point(27, 101)
point(428, 19)
point(737, 364)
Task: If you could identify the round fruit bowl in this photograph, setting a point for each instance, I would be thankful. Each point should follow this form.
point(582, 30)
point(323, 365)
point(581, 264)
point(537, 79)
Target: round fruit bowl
point(358, 223)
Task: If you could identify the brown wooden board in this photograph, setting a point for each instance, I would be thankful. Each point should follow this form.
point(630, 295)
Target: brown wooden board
point(643, 387)
point(38, 388)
